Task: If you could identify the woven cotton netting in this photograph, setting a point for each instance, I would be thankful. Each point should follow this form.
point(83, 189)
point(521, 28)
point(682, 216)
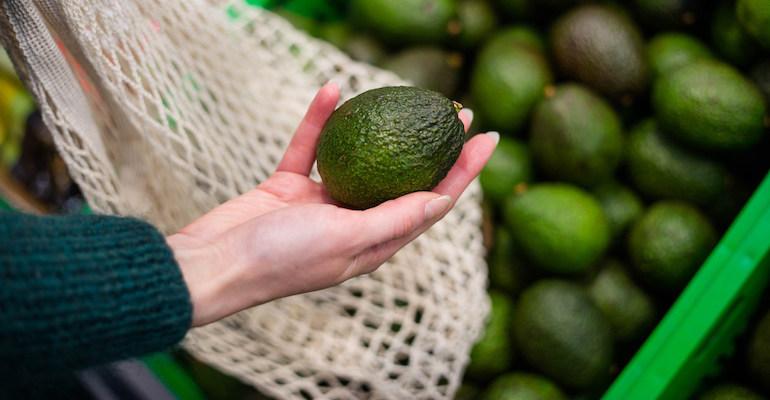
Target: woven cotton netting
point(164, 109)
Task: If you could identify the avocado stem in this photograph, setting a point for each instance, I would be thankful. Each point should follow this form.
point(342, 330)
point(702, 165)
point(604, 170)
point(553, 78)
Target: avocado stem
point(457, 105)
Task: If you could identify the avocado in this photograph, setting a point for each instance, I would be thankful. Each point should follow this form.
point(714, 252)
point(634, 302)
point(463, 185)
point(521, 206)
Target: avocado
point(660, 168)
point(758, 354)
point(576, 136)
point(667, 14)
point(754, 16)
point(364, 48)
point(506, 83)
point(520, 10)
point(729, 38)
point(760, 74)
point(493, 353)
point(475, 21)
point(388, 142)
point(507, 269)
point(428, 67)
point(668, 244)
point(337, 33)
point(518, 35)
point(560, 332)
point(523, 386)
point(709, 105)
point(509, 166)
point(671, 50)
point(629, 310)
point(620, 204)
point(405, 21)
point(730, 391)
point(467, 392)
point(516, 9)
point(602, 47)
point(559, 227)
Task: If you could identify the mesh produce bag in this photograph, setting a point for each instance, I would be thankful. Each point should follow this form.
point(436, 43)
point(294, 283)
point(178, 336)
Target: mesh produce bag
point(164, 109)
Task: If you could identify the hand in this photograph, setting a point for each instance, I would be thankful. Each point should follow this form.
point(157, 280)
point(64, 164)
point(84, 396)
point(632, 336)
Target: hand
point(287, 236)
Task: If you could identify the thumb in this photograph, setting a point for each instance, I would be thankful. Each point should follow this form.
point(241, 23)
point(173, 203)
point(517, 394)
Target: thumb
point(403, 216)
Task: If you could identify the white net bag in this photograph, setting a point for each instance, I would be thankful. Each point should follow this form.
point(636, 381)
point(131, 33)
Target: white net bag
point(164, 109)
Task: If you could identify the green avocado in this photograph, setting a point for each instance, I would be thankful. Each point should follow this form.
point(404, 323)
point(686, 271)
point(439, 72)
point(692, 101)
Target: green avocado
point(509, 166)
point(475, 21)
point(666, 14)
point(467, 392)
point(754, 16)
point(404, 21)
point(576, 136)
point(561, 333)
point(709, 105)
point(668, 244)
point(602, 47)
point(337, 33)
point(730, 391)
point(388, 142)
point(620, 204)
point(517, 35)
point(758, 352)
point(729, 38)
point(559, 227)
point(629, 310)
point(493, 353)
point(506, 83)
point(760, 74)
point(428, 67)
point(508, 271)
point(671, 50)
point(662, 169)
point(523, 386)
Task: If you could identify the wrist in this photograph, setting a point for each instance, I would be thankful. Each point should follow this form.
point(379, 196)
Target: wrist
point(208, 277)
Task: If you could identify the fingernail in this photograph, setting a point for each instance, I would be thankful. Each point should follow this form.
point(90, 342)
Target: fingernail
point(333, 83)
point(468, 113)
point(494, 136)
point(437, 206)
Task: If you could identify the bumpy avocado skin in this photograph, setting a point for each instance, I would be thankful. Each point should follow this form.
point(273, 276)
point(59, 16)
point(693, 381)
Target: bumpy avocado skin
point(602, 47)
point(387, 142)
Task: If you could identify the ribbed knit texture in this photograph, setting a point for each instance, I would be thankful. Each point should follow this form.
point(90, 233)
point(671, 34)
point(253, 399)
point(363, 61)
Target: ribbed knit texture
point(79, 291)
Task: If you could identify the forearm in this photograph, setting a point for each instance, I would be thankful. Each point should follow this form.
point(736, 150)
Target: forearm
point(84, 290)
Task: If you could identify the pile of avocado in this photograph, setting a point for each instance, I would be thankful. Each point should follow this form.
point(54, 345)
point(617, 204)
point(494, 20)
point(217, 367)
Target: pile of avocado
point(632, 133)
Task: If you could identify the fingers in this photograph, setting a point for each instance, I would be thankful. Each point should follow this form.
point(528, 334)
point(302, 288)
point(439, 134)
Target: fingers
point(472, 159)
point(300, 154)
point(400, 217)
point(466, 116)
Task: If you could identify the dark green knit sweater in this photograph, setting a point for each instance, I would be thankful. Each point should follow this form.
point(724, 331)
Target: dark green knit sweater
point(79, 291)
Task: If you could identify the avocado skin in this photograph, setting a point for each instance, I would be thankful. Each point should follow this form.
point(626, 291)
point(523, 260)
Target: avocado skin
point(404, 21)
point(387, 142)
point(510, 165)
point(758, 352)
point(620, 204)
point(629, 310)
point(730, 391)
point(428, 67)
point(709, 105)
point(666, 14)
point(507, 82)
point(559, 330)
point(523, 386)
point(668, 244)
point(661, 168)
point(476, 20)
point(559, 227)
point(754, 16)
point(493, 353)
point(576, 136)
point(729, 38)
point(602, 47)
point(669, 51)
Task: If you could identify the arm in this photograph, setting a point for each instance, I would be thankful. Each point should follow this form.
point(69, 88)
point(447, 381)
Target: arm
point(83, 290)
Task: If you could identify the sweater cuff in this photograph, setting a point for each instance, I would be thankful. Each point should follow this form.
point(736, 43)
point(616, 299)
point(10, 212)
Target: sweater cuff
point(88, 290)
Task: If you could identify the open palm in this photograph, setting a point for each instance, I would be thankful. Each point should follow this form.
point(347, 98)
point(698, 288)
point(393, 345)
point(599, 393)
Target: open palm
point(289, 236)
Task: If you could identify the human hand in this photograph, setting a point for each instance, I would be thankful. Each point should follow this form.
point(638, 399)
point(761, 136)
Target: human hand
point(287, 236)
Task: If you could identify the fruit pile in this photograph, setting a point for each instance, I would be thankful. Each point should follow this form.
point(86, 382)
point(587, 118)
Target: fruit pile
point(632, 133)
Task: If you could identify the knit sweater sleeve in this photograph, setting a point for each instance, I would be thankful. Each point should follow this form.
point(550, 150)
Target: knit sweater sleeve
point(78, 291)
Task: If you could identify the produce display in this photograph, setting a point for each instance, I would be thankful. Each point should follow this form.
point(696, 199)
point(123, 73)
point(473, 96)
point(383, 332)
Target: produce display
point(632, 134)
